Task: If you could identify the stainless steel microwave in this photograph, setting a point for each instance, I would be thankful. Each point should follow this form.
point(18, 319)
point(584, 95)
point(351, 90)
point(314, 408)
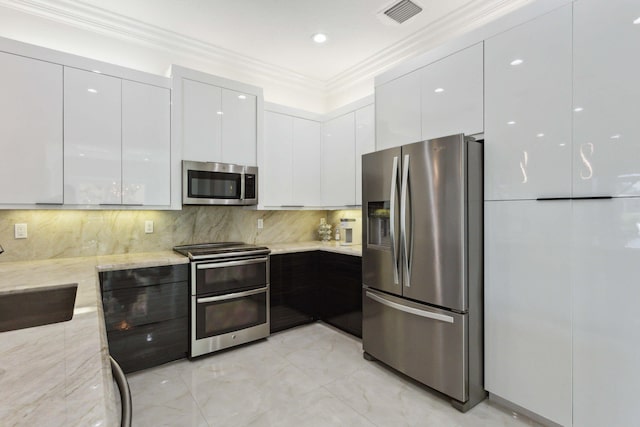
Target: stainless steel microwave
point(210, 183)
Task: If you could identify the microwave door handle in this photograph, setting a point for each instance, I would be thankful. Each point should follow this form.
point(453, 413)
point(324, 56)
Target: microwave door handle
point(242, 185)
point(392, 219)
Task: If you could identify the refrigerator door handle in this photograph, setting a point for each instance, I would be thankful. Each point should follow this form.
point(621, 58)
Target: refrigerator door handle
point(403, 220)
point(410, 310)
point(392, 219)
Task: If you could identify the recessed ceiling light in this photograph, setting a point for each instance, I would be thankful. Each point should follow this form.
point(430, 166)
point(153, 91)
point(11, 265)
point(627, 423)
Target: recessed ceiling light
point(637, 20)
point(517, 62)
point(319, 38)
point(540, 135)
point(439, 90)
point(219, 113)
point(511, 122)
point(92, 90)
point(578, 109)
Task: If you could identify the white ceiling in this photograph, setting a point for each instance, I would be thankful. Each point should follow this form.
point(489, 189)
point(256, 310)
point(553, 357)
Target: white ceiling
point(278, 32)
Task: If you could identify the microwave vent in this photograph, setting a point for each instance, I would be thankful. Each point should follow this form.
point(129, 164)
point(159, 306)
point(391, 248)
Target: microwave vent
point(402, 11)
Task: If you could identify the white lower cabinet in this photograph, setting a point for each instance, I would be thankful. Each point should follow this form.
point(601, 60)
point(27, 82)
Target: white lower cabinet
point(30, 131)
point(92, 138)
point(528, 305)
point(606, 321)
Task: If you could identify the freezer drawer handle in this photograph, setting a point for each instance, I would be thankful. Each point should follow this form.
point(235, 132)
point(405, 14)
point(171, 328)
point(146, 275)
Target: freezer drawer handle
point(392, 218)
point(231, 296)
point(410, 310)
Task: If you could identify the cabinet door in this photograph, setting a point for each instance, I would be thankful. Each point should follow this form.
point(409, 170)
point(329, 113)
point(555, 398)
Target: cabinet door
point(201, 121)
point(238, 128)
point(398, 117)
point(606, 147)
point(528, 305)
point(606, 336)
point(306, 178)
point(92, 138)
point(338, 158)
point(527, 146)
point(146, 140)
point(365, 142)
point(278, 168)
point(30, 131)
point(452, 94)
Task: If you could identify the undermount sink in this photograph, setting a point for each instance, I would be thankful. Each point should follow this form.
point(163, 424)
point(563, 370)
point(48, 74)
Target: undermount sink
point(25, 308)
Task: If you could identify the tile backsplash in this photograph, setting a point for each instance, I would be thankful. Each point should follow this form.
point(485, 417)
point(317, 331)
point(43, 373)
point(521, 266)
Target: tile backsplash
point(62, 234)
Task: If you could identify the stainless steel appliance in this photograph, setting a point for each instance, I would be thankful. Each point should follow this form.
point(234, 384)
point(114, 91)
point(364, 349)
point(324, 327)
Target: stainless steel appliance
point(422, 264)
point(229, 295)
point(209, 183)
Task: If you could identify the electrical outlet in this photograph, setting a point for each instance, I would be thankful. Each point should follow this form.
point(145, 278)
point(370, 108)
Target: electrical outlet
point(148, 227)
point(20, 231)
point(260, 224)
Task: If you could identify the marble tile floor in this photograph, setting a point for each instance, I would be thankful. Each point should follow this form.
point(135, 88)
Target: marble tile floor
point(312, 375)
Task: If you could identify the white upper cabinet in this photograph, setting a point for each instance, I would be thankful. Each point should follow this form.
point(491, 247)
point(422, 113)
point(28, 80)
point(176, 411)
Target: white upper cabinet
point(452, 94)
point(338, 160)
point(307, 144)
point(216, 119)
point(606, 146)
point(528, 304)
point(398, 117)
point(291, 171)
point(92, 138)
point(30, 131)
point(277, 173)
point(527, 146)
point(202, 118)
point(146, 144)
point(238, 131)
point(606, 346)
point(365, 142)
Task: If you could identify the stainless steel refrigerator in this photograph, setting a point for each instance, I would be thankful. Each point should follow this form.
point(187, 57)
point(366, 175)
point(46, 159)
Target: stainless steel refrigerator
point(422, 264)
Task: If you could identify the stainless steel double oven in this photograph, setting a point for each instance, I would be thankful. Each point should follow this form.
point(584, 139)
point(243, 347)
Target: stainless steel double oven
point(229, 295)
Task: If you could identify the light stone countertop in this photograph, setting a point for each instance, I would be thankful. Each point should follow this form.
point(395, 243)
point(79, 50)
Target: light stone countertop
point(59, 374)
point(314, 245)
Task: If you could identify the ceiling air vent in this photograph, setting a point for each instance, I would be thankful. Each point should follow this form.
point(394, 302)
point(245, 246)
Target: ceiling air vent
point(402, 11)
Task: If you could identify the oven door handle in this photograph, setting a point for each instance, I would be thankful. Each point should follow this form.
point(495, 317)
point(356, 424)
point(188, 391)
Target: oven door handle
point(231, 296)
point(231, 263)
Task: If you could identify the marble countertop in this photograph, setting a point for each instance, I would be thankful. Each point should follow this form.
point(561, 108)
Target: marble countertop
point(59, 374)
point(283, 248)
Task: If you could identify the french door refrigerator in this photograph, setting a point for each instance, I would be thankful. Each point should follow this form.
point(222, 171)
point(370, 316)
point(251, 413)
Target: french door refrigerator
point(422, 264)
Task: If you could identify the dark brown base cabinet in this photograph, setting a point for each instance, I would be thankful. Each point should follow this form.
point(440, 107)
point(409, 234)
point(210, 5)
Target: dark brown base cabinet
point(310, 286)
point(146, 315)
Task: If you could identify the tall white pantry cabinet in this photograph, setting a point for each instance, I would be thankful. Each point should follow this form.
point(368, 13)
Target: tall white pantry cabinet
point(562, 214)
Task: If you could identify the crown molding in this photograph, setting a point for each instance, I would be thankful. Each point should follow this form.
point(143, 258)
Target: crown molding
point(95, 19)
point(463, 20)
point(75, 13)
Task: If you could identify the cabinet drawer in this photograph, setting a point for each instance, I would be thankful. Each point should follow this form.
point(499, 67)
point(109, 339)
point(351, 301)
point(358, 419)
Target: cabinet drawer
point(138, 277)
point(150, 345)
point(127, 308)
